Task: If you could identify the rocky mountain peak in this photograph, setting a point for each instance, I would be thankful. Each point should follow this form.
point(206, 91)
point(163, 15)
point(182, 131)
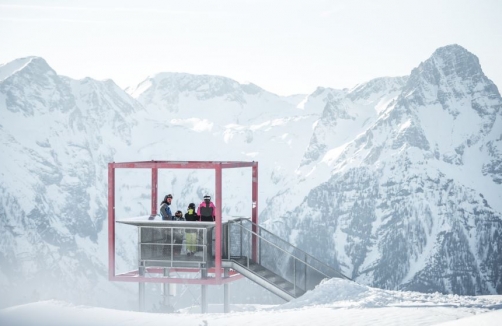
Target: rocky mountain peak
point(32, 86)
point(168, 85)
point(451, 66)
point(452, 77)
point(456, 60)
point(28, 65)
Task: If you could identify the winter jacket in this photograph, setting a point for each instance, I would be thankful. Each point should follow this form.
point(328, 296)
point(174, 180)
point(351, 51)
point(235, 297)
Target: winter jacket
point(206, 212)
point(191, 216)
point(165, 211)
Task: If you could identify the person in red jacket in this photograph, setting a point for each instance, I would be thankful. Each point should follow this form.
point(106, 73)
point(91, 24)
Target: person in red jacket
point(206, 210)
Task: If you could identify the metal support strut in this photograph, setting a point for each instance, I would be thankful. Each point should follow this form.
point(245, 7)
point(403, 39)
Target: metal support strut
point(226, 303)
point(203, 299)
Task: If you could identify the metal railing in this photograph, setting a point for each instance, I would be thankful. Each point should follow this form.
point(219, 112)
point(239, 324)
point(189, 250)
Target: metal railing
point(166, 246)
point(263, 251)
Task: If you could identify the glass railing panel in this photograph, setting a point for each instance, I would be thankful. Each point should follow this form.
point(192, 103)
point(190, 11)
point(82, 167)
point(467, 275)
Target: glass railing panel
point(269, 254)
point(169, 244)
point(239, 241)
point(278, 261)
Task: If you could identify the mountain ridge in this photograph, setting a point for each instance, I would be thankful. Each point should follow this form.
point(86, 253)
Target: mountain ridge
point(384, 181)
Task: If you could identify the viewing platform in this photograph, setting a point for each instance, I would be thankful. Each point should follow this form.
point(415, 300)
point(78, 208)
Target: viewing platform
point(225, 251)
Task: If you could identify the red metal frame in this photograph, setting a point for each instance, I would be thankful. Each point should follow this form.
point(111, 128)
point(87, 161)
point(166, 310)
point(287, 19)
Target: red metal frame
point(133, 276)
point(154, 166)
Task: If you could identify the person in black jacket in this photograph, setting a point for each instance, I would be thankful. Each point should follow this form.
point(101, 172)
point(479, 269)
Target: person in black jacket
point(206, 210)
point(191, 234)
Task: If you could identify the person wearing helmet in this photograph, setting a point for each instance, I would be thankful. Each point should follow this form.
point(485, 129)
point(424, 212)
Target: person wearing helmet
point(191, 234)
point(178, 216)
point(206, 210)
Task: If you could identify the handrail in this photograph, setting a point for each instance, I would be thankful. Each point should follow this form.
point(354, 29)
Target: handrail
point(290, 245)
point(288, 253)
point(294, 256)
point(296, 248)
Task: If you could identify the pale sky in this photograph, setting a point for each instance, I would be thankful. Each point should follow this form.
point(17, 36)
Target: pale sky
point(285, 47)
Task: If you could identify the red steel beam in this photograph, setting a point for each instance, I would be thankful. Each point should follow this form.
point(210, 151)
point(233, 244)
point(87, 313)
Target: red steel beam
point(180, 165)
point(231, 165)
point(207, 281)
point(160, 270)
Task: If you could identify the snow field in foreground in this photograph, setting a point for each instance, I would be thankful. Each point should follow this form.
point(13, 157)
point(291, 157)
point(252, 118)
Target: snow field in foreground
point(333, 302)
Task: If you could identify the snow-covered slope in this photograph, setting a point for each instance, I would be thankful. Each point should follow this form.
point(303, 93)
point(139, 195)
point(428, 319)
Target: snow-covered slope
point(336, 301)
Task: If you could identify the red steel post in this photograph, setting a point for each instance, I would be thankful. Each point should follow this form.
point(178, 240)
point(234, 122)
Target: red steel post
point(217, 247)
point(254, 212)
point(111, 221)
point(155, 180)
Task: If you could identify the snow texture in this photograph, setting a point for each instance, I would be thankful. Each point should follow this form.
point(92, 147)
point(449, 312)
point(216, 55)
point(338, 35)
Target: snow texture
point(335, 301)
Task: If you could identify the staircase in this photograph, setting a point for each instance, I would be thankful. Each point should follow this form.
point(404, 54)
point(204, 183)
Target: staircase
point(271, 262)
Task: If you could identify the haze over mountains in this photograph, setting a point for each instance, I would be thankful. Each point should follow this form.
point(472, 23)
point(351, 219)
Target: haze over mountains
point(397, 182)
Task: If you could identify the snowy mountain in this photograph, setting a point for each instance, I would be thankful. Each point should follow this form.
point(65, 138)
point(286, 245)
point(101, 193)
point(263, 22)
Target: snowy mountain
point(396, 181)
point(413, 200)
point(57, 135)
